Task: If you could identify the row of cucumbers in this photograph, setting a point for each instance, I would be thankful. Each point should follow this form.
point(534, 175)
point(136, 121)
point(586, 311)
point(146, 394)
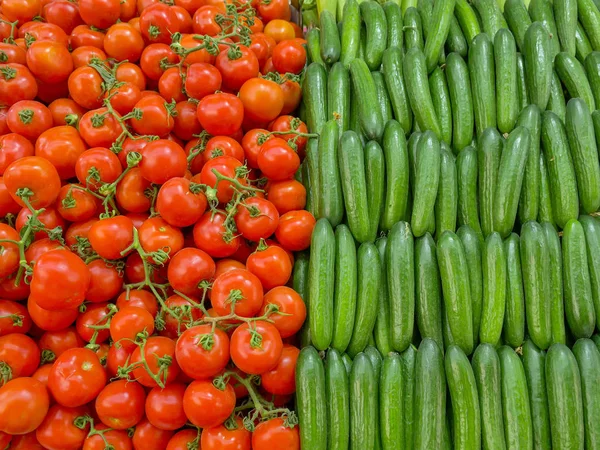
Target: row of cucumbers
point(429, 399)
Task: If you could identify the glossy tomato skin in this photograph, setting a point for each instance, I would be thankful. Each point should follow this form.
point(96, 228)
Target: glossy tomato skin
point(156, 347)
point(263, 99)
point(208, 236)
point(281, 380)
point(221, 438)
point(277, 160)
point(49, 61)
point(291, 304)
point(295, 230)
point(18, 84)
point(275, 435)
point(24, 403)
point(138, 297)
point(118, 439)
point(257, 219)
point(237, 71)
point(50, 320)
point(13, 146)
point(62, 146)
point(207, 406)
point(127, 323)
point(184, 440)
point(202, 353)
point(97, 166)
point(20, 353)
point(58, 431)
point(272, 266)
point(36, 174)
point(238, 290)
point(120, 405)
point(55, 343)
point(112, 236)
point(251, 357)
point(9, 259)
point(202, 79)
point(189, 267)
point(214, 108)
point(164, 407)
point(156, 119)
point(163, 160)
point(13, 313)
point(226, 166)
point(94, 315)
point(156, 234)
point(148, 437)
point(179, 203)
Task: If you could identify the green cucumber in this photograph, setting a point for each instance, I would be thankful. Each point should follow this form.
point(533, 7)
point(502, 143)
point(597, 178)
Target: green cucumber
point(346, 279)
point(563, 383)
point(375, 176)
point(350, 35)
point(491, 16)
point(516, 411)
point(331, 203)
point(459, 89)
point(545, 212)
point(579, 305)
point(401, 284)
point(538, 64)
point(596, 120)
point(338, 96)
point(467, 18)
point(591, 228)
point(592, 70)
point(441, 102)
point(489, 150)
point(314, 95)
point(454, 273)
point(542, 11)
point(481, 68)
point(383, 99)
point(505, 54)
point(561, 173)
point(331, 47)
point(514, 316)
point(443, 12)
point(426, 182)
point(583, 46)
point(529, 203)
point(313, 190)
point(572, 75)
point(391, 396)
point(536, 281)
point(425, 8)
point(486, 370)
point(556, 101)
point(518, 20)
point(391, 66)
point(589, 15)
point(468, 211)
point(456, 41)
point(375, 21)
point(338, 401)
point(397, 175)
point(311, 399)
point(370, 117)
point(381, 333)
point(347, 362)
point(446, 202)
point(588, 361)
point(472, 243)
point(565, 14)
point(494, 289)
point(355, 111)
point(313, 45)
point(393, 14)
point(408, 358)
point(376, 362)
point(363, 403)
point(413, 29)
point(430, 396)
point(584, 152)
point(369, 283)
point(557, 313)
point(465, 401)
point(522, 94)
point(300, 285)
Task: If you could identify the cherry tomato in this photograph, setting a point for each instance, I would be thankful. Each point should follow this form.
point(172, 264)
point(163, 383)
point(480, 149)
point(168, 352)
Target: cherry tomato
point(13, 146)
point(275, 434)
point(55, 343)
point(120, 405)
point(132, 192)
point(63, 14)
point(206, 405)
point(188, 268)
point(185, 440)
point(239, 291)
point(98, 128)
point(185, 313)
point(159, 353)
point(62, 146)
point(15, 318)
point(295, 229)
point(49, 218)
point(49, 61)
point(128, 323)
point(279, 30)
point(49, 320)
point(105, 282)
point(158, 22)
point(123, 42)
point(287, 195)
point(16, 83)
point(201, 352)
point(221, 114)
point(271, 265)
point(140, 298)
point(292, 94)
point(291, 123)
point(94, 315)
point(236, 71)
point(100, 13)
point(209, 236)
point(186, 124)
point(85, 87)
point(19, 355)
point(156, 234)
point(124, 98)
point(164, 407)
point(180, 203)
point(21, 10)
point(201, 80)
point(277, 160)
point(156, 118)
point(148, 437)
point(256, 347)
point(37, 175)
point(226, 166)
point(24, 403)
point(163, 160)
point(223, 438)
point(112, 236)
point(117, 439)
point(257, 218)
point(152, 58)
point(58, 430)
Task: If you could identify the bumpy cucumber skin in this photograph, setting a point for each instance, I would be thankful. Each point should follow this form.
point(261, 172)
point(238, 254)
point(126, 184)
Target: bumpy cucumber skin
point(529, 203)
point(505, 55)
point(468, 211)
point(311, 401)
point(446, 202)
point(472, 244)
point(556, 284)
point(489, 150)
point(538, 64)
point(426, 182)
point(482, 71)
point(338, 401)
point(363, 403)
point(514, 317)
point(494, 290)
point(391, 397)
point(459, 88)
point(588, 360)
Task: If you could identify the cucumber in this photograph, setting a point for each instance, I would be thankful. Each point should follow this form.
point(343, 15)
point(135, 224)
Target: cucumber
point(346, 279)
point(401, 284)
point(370, 117)
point(347, 363)
point(321, 282)
point(430, 396)
point(572, 74)
point(425, 8)
point(456, 41)
point(518, 20)
point(313, 45)
point(592, 70)
point(428, 290)
point(409, 376)
point(363, 403)
point(426, 182)
point(300, 285)
point(534, 362)
point(350, 35)
point(331, 47)
point(412, 144)
point(561, 173)
point(529, 203)
point(376, 362)
point(441, 16)
point(454, 273)
point(481, 68)
point(589, 15)
point(563, 383)
point(588, 360)
point(545, 212)
point(369, 283)
point(397, 175)
point(459, 89)
point(314, 95)
point(465, 401)
point(441, 103)
point(381, 333)
point(313, 190)
point(355, 110)
point(579, 305)
point(467, 18)
point(591, 228)
point(375, 175)
point(338, 96)
point(491, 16)
point(596, 120)
point(472, 245)
point(557, 312)
point(393, 14)
point(494, 289)
point(584, 152)
point(486, 370)
point(391, 66)
point(417, 85)
point(516, 411)
point(446, 202)
point(556, 101)
point(331, 203)
point(505, 54)
point(375, 21)
point(466, 164)
point(510, 180)
point(383, 99)
point(536, 281)
point(489, 150)
point(363, 42)
point(391, 396)
point(583, 46)
point(542, 11)
point(538, 64)
point(565, 14)
point(413, 29)
point(311, 399)
point(514, 316)
point(522, 94)
point(338, 401)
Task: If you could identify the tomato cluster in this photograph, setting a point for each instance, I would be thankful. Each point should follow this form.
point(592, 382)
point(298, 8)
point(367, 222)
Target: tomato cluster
point(150, 213)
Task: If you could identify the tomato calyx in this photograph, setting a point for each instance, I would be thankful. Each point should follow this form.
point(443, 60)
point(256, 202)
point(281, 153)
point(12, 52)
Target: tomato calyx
point(163, 363)
point(47, 356)
point(5, 373)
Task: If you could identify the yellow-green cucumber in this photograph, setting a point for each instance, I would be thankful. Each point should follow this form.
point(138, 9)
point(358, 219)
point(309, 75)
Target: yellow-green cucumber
point(538, 64)
point(494, 289)
point(483, 84)
point(589, 15)
point(383, 99)
point(363, 403)
point(439, 25)
point(338, 401)
point(370, 117)
point(518, 20)
point(338, 100)
point(441, 103)
point(375, 176)
point(313, 45)
point(375, 21)
point(300, 285)
point(350, 35)
point(467, 18)
point(313, 190)
point(583, 46)
point(331, 202)
point(391, 67)
point(459, 88)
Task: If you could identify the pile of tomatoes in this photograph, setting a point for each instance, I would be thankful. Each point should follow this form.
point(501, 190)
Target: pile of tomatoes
point(149, 214)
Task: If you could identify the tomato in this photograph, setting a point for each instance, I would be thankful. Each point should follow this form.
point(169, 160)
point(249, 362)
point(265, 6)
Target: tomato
point(262, 99)
point(128, 323)
point(16, 83)
point(223, 438)
point(156, 118)
point(188, 268)
point(223, 146)
point(186, 123)
point(184, 311)
point(40, 247)
point(82, 56)
point(26, 442)
point(209, 236)
point(105, 282)
point(271, 265)
point(60, 280)
point(10, 53)
point(237, 70)
point(140, 298)
point(84, 35)
point(49, 61)
point(201, 352)
point(158, 22)
point(62, 146)
point(58, 430)
point(155, 58)
point(130, 73)
point(14, 318)
point(239, 291)
point(35, 174)
point(38, 31)
point(156, 234)
point(116, 439)
point(187, 439)
point(148, 437)
point(256, 347)
point(291, 123)
point(111, 237)
point(179, 203)
point(124, 98)
point(277, 160)
point(123, 42)
point(132, 192)
point(197, 56)
point(78, 230)
point(55, 343)
point(159, 353)
point(49, 320)
point(24, 403)
point(281, 380)
point(274, 434)
point(62, 13)
point(170, 85)
point(274, 9)
point(221, 114)
point(94, 315)
point(49, 218)
point(164, 407)
point(162, 160)
point(295, 230)
point(262, 46)
point(250, 143)
point(116, 358)
point(280, 30)
point(226, 166)
point(19, 356)
point(292, 94)
point(287, 195)
point(99, 128)
point(9, 257)
point(77, 377)
point(206, 405)
point(205, 22)
point(120, 405)
point(202, 79)
point(5, 440)
point(21, 10)
point(257, 218)
point(85, 87)
point(100, 13)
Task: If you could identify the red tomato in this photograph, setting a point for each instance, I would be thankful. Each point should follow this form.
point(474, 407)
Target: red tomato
point(289, 57)
point(164, 407)
point(120, 405)
point(223, 438)
point(98, 128)
point(112, 236)
point(19, 10)
point(201, 80)
point(291, 123)
point(123, 42)
point(94, 315)
point(237, 67)
point(228, 167)
point(105, 282)
point(185, 440)
point(281, 380)
point(132, 190)
point(159, 353)
point(16, 83)
point(163, 160)
point(85, 87)
point(156, 118)
point(256, 347)
point(50, 320)
point(14, 318)
point(223, 146)
point(58, 430)
point(156, 234)
point(148, 437)
point(37, 175)
point(295, 230)
point(49, 61)
point(206, 405)
point(188, 268)
point(55, 343)
point(20, 355)
point(239, 291)
point(24, 403)
point(209, 236)
point(117, 439)
point(62, 146)
point(271, 265)
point(100, 13)
point(262, 99)
point(170, 85)
point(274, 434)
point(257, 219)
point(221, 114)
point(186, 124)
point(277, 160)
point(287, 195)
point(152, 59)
point(128, 323)
point(201, 352)
point(180, 203)
point(158, 22)
point(292, 94)
point(13, 147)
point(63, 14)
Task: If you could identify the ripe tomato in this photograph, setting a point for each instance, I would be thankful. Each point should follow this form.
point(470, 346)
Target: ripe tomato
point(289, 56)
point(180, 203)
point(138, 297)
point(63, 109)
point(256, 347)
point(62, 146)
point(197, 56)
point(24, 403)
point(188, 268)
point(7, 203)
point(148, 437)
point(116, 439)
point(159, 353)
point(158, 22)
point(98, 128)
point(13, 146)
point(49, 320)
point(94, 315)
point(257, 218)
point(63, 14)
point(287, 195)
point(236, 69)
point(58, 430)
point(291, 123)
point(97, 166)
point(164, 407)
point(124, 97)
point(277, 161)
point(163, 160)
point(271, 265)
point(185, 313)
point(16, 83)
point(280, 30)
point(100, 13)
point(292, 94)
point(223, 146)
point(223, 438)
point(156, 234)
point(9, 258)
point(295, 229)
point(49, 61)
point(262, 99)
point(105, 282)
point(14, 318)
point(128, 323)
point(117, 357)
point(55, 343)
point(275, 9)
point(209, 236)
point(19, 354)
point(76, 378)
point(186, 123)
point(36, 174)
point(85, 87)
point(201, 80)
point(60, 280)
point(82, 56)
point(120, 405)
point(155, 119)
point(205, 22)
point(21, 10)
point(132, 192)
point(49, 218)
point(221, 114)
point(122, 42)
point(226, 166)
point(274, 434)
point(201, 352)
point(281, 380)
point(206, 405)
point(188, 439)
point(262, 46)
point(170, 85)
point(239, 291)
point(10, 53)
point(40, 247)
point(155, 58)
point(112, 236)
